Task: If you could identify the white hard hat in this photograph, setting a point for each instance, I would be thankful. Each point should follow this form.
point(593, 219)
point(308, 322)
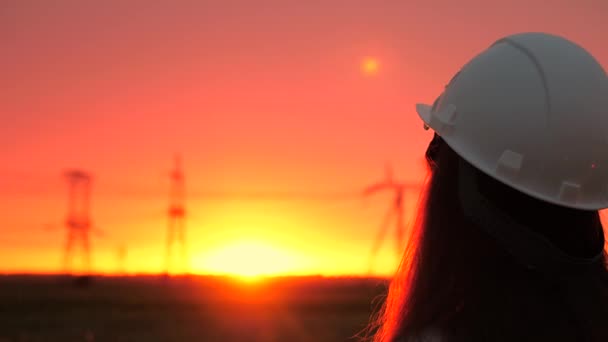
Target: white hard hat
point(532, 112)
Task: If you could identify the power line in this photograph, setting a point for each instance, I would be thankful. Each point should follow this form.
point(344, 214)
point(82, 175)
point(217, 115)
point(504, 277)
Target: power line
point(277, 195)
point(245, 195)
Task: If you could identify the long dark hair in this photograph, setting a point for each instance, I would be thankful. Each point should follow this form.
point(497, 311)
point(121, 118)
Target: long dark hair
point(459, 282)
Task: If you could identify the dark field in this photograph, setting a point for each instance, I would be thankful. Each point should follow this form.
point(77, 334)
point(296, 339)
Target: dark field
point(51, 308)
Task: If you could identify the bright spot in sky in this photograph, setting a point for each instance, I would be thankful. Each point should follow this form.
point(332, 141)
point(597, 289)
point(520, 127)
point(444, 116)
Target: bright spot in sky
point(249, 259)
point(370, 66)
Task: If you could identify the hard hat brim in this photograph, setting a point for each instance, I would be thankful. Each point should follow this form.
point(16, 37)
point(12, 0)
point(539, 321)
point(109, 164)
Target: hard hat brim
point(424, 112)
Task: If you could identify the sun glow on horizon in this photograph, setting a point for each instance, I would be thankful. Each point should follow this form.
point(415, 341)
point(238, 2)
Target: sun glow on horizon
point(250, 260)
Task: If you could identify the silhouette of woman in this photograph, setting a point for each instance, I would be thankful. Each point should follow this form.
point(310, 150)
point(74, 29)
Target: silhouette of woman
point(509, 245)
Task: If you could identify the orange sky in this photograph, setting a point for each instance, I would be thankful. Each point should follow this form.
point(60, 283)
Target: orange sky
point(257, 96)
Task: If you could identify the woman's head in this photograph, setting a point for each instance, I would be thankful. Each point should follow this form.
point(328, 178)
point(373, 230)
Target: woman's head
point(456, 276)
point(510, 210)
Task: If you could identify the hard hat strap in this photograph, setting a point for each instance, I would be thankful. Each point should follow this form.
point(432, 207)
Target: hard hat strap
point(530, 248)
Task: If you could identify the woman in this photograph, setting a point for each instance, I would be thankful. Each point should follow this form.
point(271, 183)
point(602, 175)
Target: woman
point(509, 245)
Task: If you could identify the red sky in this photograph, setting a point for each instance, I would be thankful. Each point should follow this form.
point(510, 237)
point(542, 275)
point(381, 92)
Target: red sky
point(256, 95)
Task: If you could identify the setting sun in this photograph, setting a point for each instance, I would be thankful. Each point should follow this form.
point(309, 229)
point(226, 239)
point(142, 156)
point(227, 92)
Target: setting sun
point(370, 66)
point(249, 260)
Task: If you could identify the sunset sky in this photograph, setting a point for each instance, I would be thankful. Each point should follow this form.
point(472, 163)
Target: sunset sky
point(257, 96)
